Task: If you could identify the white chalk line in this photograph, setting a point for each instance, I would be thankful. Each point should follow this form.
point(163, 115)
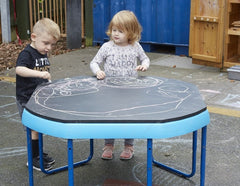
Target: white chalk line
point(12, 151)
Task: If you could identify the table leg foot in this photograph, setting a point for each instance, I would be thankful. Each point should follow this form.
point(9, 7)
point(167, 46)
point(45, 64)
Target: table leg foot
point(180, 173)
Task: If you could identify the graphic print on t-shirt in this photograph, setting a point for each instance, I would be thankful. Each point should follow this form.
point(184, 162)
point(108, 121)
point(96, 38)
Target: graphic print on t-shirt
point(42, 64)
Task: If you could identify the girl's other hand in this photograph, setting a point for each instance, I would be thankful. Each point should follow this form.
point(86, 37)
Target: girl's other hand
point(141, 68)
point(100, 74)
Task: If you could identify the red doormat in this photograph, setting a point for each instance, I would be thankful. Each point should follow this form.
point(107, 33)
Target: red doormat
point(110, 182)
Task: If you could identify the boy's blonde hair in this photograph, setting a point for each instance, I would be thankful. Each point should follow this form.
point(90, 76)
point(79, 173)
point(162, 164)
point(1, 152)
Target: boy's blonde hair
point(49, 26)
point(126, 21)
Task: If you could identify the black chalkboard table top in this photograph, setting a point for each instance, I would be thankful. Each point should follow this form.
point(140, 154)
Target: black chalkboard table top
point(115, 101)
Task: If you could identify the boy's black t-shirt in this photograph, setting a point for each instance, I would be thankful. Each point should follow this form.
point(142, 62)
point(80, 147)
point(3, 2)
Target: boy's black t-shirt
point(31, 59)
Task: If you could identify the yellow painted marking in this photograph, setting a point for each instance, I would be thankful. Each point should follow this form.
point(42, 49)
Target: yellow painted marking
point(8, 79)
point(224, 111)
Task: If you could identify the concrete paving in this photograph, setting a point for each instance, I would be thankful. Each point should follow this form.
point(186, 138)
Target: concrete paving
point(221, 95)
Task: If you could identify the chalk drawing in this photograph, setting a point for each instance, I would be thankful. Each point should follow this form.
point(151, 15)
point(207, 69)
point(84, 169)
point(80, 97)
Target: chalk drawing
point(210, 91)
point(159, 176)
point(136, 169)
point(177, 140)
point(171, 96)
point(12, 151)
point(8, 111)
point(232, 100)
point(230, 141)
point(7, 102)
point(131, 82)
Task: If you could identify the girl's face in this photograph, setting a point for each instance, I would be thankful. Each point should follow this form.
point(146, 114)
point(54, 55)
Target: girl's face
point(42, 42)
point(119, 37)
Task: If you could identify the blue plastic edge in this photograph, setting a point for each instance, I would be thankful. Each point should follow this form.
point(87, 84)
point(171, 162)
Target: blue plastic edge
point(115, 130)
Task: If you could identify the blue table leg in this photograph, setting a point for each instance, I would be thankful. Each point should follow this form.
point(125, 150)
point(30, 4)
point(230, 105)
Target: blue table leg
point(149, 162)
point(40, 140)
point(30, 160)
point(65, 167)
point(203, 156)
point(70, 163)
point(194, 154)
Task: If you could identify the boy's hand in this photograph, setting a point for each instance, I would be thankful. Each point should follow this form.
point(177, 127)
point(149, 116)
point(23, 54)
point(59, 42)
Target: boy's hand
point(141, 68)
point(26, 72)
point(100, 74)
point(45, 75)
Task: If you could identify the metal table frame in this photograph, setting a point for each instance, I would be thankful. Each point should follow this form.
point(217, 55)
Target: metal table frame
point(150, 158)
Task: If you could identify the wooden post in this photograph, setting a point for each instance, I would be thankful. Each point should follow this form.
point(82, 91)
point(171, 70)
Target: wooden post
point(23, 19)
point(74, 36)
point(5, 21)
point(88, 22)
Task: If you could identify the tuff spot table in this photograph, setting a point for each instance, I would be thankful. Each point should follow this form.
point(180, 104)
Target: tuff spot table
point(116, 107)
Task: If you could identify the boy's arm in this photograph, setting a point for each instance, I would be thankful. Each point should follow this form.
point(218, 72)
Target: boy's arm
point(27, 72)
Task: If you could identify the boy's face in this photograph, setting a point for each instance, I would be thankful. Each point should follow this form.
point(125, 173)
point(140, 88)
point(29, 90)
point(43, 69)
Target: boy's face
point(119, 37)
point(43, 42)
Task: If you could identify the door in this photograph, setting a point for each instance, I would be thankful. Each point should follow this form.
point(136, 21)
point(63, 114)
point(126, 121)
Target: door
point(206, 32)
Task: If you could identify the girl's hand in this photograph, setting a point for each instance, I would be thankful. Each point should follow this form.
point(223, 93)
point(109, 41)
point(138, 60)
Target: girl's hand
point(141, 68)
point(100, 74)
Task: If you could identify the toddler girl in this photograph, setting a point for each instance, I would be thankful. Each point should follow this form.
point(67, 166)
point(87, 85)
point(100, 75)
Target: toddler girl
point(120, 56)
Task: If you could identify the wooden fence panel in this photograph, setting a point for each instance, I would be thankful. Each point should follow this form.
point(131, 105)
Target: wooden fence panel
point(0, 27)
point(53, 9)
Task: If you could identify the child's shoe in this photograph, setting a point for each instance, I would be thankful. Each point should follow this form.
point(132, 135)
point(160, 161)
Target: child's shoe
point(107, 152)
point(36, 164)
point(127, 153)
point(47, 159)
